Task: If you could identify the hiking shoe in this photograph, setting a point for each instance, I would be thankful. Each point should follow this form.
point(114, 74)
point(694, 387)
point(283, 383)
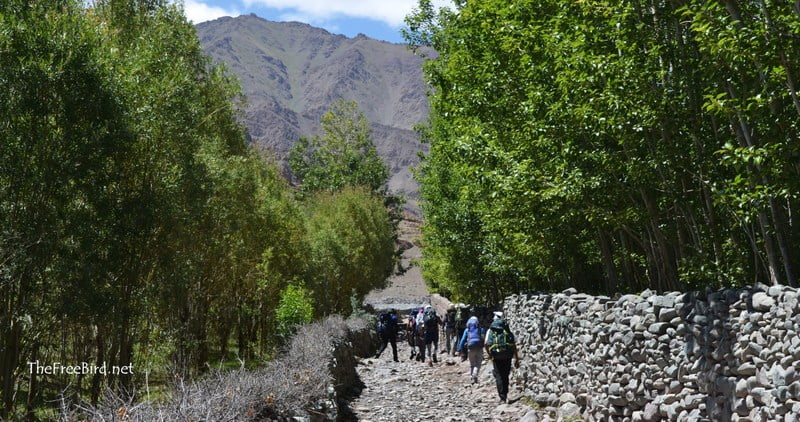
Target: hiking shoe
point(434, 359)
point(396, 360)
point(430, 363)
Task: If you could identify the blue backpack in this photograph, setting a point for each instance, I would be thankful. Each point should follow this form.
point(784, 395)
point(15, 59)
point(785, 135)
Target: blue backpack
point(474, 337)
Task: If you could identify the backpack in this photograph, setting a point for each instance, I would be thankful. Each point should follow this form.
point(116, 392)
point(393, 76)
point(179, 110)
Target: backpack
point(474, 337)
point(383, 321)
point(500, 341)
point(429, 319)
point(450, 320)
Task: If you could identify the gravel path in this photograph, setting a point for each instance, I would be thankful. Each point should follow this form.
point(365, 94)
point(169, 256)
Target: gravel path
point(412, 391)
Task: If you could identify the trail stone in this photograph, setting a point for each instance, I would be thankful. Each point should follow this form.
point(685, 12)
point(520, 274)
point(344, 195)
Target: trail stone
point(569, 410)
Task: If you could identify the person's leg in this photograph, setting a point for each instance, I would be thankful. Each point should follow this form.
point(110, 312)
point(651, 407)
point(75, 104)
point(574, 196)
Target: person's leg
point(475, 357)
point(384, 342)
point(504, 368)
point(393, 340)
point(435, 347)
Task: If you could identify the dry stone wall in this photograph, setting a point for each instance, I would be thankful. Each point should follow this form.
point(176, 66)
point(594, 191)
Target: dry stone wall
point(727, 355)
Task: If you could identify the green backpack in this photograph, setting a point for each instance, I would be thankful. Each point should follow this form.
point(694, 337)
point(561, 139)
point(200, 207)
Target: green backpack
point(501, 341)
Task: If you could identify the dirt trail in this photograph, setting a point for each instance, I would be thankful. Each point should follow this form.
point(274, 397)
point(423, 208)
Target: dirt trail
point(413, 391)
point(406, 290)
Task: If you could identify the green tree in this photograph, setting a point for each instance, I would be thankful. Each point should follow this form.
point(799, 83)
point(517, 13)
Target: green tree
point(343, 156)
point(351, 242)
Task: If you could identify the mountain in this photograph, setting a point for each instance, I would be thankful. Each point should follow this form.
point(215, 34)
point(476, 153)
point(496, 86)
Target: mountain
point(291, 72)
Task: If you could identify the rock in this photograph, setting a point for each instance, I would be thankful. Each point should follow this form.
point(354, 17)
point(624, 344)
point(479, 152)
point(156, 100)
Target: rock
point(762, 302)
point(667, 314)
point(530, 417)
point(569, 410)
point(658, 328)
point(746, 369)
point(761, 395)
point(662, 301)
point(567, 398)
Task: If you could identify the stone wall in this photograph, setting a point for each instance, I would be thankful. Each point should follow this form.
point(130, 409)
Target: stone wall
point(726, 355)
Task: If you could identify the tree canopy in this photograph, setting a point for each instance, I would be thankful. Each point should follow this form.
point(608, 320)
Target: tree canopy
point(609, 145)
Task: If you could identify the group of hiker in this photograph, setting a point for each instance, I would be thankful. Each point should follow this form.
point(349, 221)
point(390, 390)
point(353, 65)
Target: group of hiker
point(465, 339)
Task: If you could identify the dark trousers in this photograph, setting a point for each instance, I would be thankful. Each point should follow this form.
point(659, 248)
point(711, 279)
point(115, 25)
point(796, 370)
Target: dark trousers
point(385, 340)
point(502, 368)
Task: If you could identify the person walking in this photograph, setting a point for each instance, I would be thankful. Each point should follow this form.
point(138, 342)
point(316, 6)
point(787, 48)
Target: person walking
point(387, 329)
point(471, 344)
point(501, 347)
point(450, 332)
point(431, 323)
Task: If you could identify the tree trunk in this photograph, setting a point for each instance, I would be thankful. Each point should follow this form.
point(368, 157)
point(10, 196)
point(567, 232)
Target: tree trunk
point(769, 246)
point(33, 386)
point(8, 365)
point(608, 261)
point(99, 359)
point(782, 235)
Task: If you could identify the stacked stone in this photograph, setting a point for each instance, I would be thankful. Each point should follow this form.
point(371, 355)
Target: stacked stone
point(727, 355)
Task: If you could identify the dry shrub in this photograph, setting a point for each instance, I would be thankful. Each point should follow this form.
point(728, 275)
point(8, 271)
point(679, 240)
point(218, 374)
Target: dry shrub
point(307, 379)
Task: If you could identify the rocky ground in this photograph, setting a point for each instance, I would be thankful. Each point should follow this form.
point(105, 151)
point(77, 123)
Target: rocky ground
point(412, 391)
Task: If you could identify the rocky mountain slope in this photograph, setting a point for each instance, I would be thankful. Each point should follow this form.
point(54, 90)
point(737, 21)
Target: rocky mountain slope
point(291, 72)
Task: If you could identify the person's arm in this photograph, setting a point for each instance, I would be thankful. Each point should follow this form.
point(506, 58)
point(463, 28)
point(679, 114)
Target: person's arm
point(462, 341)
point(486, 343)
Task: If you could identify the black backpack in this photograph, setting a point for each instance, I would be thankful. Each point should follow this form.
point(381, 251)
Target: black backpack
point(384, 320)
point(429, 319)
point(450, 320)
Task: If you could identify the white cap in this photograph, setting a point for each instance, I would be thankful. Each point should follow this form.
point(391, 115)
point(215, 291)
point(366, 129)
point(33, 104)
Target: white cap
point(498, 314)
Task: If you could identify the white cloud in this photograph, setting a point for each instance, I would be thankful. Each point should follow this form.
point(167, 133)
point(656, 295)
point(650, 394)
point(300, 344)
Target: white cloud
point(390, 11)
point(197, 11)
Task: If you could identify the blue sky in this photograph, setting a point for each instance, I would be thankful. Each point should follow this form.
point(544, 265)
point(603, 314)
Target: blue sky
point(379, 19)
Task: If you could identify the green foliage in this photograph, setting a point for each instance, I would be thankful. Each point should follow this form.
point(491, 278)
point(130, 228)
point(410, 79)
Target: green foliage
point(296, 307)
point(344, 156)
point(611, 146)
point(351, 242)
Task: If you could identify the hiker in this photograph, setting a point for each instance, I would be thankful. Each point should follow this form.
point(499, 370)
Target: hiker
point(501, 348)
point(418, 348)
point(450, 331)
point(411, 333)
point(387, 329)
point(471, 346)
point(431, 323)
point(461, 324)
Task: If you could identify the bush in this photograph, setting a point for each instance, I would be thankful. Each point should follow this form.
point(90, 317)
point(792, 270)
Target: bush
point(296, 307)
